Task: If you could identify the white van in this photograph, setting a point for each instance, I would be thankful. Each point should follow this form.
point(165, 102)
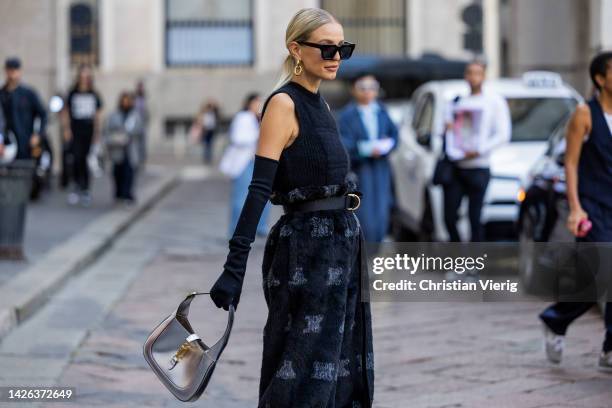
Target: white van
point(538, 102)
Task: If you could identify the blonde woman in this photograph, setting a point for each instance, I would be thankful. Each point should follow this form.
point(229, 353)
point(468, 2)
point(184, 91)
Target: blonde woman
point(317, 348)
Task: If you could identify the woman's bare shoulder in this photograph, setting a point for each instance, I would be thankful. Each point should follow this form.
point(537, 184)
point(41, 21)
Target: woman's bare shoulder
point(278, 126)
point(583, 108)
point(280, 111)
point(280, 103)
point(582, 114)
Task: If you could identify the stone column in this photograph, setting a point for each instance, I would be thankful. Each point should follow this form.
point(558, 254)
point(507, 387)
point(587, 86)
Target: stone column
point(491, 36)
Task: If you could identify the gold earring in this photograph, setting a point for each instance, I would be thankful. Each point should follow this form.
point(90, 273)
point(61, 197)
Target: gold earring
point(298, 69)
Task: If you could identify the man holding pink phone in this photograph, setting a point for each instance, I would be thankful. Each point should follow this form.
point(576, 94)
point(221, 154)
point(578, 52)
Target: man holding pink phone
point(588, 170)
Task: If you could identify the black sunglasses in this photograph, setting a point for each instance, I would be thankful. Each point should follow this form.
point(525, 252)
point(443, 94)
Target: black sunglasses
point(328, 51)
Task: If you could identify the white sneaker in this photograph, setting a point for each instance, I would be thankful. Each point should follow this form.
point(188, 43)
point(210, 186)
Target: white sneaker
point(605, 362)
point(553, 344)
point(73, 198)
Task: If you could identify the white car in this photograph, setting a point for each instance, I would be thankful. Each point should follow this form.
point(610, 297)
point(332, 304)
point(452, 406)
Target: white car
point(400, 111)
point(538, 102)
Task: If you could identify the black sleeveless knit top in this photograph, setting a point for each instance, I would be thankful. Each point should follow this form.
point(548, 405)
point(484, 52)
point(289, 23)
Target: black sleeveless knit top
point(316, 164)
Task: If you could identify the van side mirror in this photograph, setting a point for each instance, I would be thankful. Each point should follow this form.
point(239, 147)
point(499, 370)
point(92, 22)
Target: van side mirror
point(560, 159)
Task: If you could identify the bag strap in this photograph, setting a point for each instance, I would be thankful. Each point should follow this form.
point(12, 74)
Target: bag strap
point(456, 100)
point(183, 311)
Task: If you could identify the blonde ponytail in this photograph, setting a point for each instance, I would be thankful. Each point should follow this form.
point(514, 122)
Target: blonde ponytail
point(286, 71)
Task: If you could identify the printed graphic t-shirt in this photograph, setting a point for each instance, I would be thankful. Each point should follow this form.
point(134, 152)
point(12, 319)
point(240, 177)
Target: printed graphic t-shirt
point(83, 107)
point(480, 123)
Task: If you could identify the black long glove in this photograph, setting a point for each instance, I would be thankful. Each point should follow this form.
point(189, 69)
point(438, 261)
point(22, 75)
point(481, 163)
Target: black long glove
point(226, 290)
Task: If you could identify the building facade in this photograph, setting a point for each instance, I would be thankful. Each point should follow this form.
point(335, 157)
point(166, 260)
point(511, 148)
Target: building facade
point(556, 35)
point(187, 51)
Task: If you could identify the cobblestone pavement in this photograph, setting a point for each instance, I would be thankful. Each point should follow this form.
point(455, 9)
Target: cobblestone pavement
point(426, 354)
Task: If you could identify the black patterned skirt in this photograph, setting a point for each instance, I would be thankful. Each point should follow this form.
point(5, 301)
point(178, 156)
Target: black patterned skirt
point(318, 336)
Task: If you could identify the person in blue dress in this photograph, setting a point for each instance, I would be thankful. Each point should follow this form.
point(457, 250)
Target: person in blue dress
point(369, 135)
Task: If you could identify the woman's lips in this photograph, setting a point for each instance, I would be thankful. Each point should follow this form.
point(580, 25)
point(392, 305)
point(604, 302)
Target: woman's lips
point(332, 68)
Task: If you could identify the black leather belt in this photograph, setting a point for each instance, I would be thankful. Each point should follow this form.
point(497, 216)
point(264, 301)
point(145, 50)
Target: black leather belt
point(349, 201)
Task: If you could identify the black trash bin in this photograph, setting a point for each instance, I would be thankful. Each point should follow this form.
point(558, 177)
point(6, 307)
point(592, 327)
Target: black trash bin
point(15, 186)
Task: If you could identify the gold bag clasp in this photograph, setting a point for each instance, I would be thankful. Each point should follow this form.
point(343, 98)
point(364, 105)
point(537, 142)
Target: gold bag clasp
point(182, 350)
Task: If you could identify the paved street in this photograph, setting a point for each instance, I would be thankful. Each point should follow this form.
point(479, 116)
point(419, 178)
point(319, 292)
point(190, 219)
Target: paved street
point(90, 334)
point(50, 220)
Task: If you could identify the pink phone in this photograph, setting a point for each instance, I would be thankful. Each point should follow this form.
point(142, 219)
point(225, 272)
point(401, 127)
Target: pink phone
point(584, 226)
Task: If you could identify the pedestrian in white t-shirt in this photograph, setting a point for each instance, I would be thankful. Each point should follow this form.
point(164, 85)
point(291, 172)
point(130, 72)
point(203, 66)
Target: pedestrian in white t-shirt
point(476, 125)
point(239, 158)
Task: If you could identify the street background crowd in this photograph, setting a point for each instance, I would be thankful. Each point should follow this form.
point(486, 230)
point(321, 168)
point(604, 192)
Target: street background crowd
point(449, 134)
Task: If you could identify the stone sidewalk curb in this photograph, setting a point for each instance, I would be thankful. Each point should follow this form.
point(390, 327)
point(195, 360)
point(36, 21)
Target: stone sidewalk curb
point(27, 292)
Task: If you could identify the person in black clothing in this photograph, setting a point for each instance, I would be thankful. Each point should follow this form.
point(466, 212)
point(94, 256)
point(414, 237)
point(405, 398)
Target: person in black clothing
point(8, 144)
point(22, 107)
point(81, 123)
point(317, 349)
point(588, 170)
point(206, 124)
point(2, 132)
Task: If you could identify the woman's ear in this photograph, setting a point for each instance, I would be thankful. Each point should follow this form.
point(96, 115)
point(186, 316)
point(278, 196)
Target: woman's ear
point(294, 50)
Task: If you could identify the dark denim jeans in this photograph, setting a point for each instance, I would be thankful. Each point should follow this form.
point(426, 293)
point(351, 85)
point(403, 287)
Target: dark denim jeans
point(560, 315)
point(81, 144)
point(470, 182)
point(123, 173)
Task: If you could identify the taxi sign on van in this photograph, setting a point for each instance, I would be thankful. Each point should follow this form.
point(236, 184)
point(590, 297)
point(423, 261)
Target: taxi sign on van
point(542, 79)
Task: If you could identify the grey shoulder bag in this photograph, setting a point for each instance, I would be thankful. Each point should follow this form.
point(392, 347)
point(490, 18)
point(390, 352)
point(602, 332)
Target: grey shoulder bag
point(179, 357)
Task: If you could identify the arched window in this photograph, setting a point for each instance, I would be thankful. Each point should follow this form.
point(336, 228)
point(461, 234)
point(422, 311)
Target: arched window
point(84, 33)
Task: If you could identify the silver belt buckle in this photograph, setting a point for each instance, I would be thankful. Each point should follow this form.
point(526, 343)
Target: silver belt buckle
point(358, 201)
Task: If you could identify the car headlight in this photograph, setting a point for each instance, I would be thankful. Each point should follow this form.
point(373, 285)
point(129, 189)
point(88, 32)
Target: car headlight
point(520, 195)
